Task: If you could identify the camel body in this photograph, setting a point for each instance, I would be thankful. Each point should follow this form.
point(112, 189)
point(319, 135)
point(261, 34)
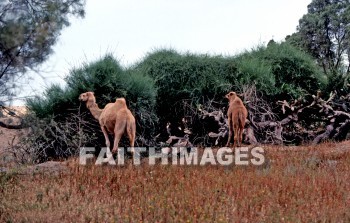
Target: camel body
point(115, 118)
point(236, 114)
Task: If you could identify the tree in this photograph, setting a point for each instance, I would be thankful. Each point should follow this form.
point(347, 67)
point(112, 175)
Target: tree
point(324, 32)
point(28, 30)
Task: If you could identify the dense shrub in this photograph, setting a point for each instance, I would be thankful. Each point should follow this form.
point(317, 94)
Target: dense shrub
point(170, 85)
point(109, 81)
point(187, 77)
point(253, 71)
point(281, 71)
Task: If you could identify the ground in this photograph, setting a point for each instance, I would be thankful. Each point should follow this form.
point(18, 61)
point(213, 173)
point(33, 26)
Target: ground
point(295, 184)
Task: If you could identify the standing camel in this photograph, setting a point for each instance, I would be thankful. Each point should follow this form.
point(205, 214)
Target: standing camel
point(237, 114)
point(115, 118)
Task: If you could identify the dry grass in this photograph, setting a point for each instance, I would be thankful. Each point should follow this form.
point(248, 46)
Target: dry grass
point(306, 184)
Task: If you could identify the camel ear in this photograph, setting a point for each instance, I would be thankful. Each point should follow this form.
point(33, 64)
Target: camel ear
point(228, 96)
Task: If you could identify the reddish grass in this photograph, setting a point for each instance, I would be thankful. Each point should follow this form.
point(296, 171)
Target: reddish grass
point(305, 184)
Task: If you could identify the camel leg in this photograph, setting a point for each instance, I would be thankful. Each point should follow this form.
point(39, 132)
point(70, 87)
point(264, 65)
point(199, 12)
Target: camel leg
point(108, 143)
point(235, 138)
point(229, 133)
point(117, 136)
point(240, 136)
point(241, 129)
point(131, 135)
point(105, 133)
point(119, 129)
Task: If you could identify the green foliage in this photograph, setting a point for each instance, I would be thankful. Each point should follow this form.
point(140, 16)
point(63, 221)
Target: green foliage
point(28, 30)
point(180, 77)
point(324, 33)
point(109, 81)
point(252, 69)
point(49, 104)
point(171, 85)
point(105, 77)
point(278, 70)
point(281, 70)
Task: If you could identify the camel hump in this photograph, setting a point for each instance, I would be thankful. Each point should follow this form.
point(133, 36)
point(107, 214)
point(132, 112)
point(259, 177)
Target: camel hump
point(120, 101)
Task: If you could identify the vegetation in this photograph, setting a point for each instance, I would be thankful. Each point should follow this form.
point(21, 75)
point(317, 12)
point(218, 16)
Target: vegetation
point(28, 30)
point(170, 86)
point(109, 81)
point(279, 71)
point(51, 139)
point(305, 184)
point(60, 106)
point(179, 78)
point(324, 33)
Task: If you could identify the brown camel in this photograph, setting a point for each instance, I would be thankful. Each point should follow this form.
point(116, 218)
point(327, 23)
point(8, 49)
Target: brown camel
point(115, 118)
point(237, 114)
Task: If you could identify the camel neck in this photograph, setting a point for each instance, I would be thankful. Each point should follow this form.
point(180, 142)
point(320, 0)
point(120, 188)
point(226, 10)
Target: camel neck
point(236, 101)
point(95, 110)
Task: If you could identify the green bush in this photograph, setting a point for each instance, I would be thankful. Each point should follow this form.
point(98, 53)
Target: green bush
point(109, 81)
point(169, 85)
point(252, 70)
point(281, 71)
point(179, 78)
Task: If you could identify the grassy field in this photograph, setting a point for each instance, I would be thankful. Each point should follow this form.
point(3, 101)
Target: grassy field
point(296, 184)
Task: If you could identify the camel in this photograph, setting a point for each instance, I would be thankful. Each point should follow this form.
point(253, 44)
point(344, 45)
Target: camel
point(115, 118)
point(237, 114)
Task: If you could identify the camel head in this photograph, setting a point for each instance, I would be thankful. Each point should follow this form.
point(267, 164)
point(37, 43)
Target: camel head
point(88, 97)
point(231, 95)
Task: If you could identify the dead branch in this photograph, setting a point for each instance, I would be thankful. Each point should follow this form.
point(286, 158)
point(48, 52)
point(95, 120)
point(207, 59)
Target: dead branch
point(182, 141)
point(325, 135)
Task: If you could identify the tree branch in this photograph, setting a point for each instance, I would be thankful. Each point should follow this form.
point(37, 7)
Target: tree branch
point(8, 126)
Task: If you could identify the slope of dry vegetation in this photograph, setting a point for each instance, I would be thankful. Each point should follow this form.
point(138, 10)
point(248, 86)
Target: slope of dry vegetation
point(300, 184)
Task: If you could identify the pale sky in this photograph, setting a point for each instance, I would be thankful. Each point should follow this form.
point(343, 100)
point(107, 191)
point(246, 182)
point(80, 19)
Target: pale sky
point(129, 29)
